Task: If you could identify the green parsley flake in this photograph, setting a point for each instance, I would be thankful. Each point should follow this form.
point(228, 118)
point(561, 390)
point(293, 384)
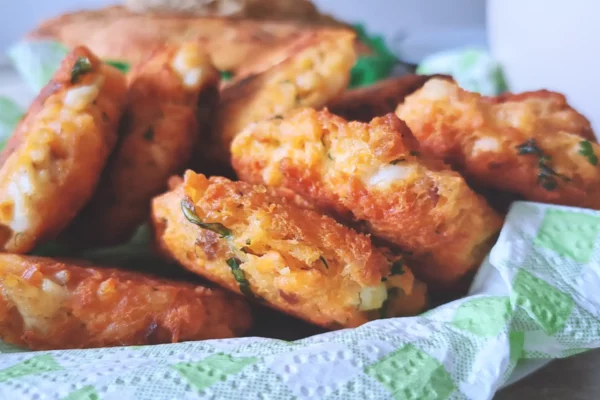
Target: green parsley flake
point(547, 175)
point(530, 147)
point(82, 66)
point(121, 66)
point(324, 261)
point(190, 214)
point(226, 75)
point(240, 277)
point(586, 150)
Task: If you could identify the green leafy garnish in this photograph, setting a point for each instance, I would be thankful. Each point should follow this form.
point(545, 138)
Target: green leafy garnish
point(586, 150)
point(226, 75)
point(372, 68)
point(82, 66)
point(324, 261)
point(149, 134)
point(397, 268)
point(190, 214)
point(547, 175)
point(240, 277)
point(121, 66)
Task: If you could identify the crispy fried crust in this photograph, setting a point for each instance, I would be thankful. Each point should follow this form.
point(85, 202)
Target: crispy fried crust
point(365, 103)
point(547, 110)
point(52, 163)
point(516, 143)
point(294, 259)
point(316, 70)
point(372, 173)
point(271, 56)
point(118, 34)
point(171, 100)
point(49, 304)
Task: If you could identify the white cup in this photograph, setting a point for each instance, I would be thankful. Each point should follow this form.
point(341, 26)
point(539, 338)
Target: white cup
point(550, 44)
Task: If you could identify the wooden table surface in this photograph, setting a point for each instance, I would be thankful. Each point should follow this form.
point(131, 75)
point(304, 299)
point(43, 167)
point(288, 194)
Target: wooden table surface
point(574, 378)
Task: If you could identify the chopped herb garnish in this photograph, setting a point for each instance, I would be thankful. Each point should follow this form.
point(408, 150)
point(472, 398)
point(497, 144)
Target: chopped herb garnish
point(383, 279)
point(121, 66)
point(586, 150)
point(397, 160)
point(81, 66)
point(547, 176)
point(397, 268)
point(190, 214)
point(414, 153)
point(324, 261)
point(226, 75)
point(149, 134)
point(325, 147)
point(530, 147)
point(240, 277)
point(248, 242)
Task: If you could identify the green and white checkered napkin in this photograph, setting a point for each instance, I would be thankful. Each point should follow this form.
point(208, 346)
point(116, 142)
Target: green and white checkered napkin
point(537, 296)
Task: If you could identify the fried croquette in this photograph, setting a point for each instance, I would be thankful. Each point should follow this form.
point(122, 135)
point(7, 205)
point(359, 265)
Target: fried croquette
point(252, 241)
point(115, 33)
point(171, 101)
point(365, 103)
point(518, 146)
point(544, 110)
point(316, 71)
point(48, 304)
point(52, 163)
point(373, 175)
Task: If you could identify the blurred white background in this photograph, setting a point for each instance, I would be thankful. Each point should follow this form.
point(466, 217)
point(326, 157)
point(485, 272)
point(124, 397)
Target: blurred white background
point(20, 16)
point(550, 44)
point(542, 43)
point(420, 20)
